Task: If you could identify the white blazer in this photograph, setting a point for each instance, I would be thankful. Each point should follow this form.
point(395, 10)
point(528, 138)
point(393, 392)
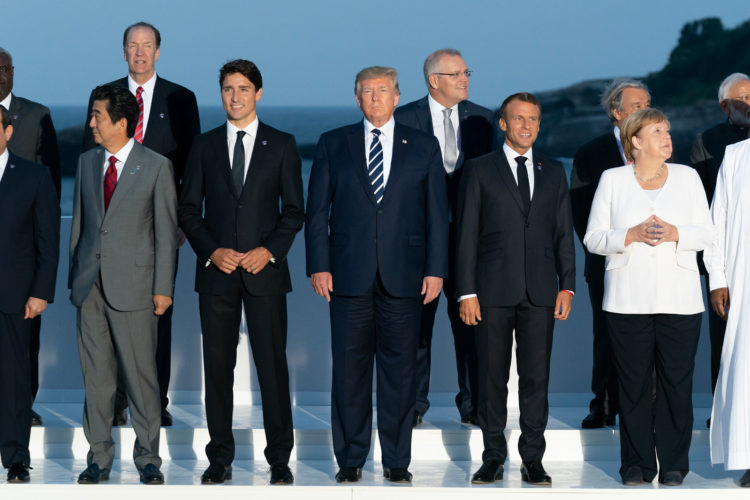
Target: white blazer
point(645, 279)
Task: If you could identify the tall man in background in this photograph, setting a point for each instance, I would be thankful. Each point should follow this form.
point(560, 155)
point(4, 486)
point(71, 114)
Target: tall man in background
point(167, 123)
point(29, 245)
point(464, 131)
point(33, 139)
point(620, 99)
point(377, 250)
point(241, 216)
point(123, 244)
point(706, 157)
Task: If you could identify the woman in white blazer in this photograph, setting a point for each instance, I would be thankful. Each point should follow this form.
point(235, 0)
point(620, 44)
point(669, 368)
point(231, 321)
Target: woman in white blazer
point(649, 219)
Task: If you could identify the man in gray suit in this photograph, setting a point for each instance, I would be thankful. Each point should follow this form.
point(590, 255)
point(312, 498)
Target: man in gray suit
point(122, 260)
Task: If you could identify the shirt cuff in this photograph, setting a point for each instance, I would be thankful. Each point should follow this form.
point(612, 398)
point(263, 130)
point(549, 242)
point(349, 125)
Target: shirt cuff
point(468, 296)
point(570, 292)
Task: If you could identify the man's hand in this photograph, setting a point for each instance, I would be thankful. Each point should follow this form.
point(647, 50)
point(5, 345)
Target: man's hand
point(322, 284)
point(34, 307)
point(161, 304)
point(431, 287)
point(468, 309)
point(720, 302)
point(563, 305)
point(226, 259)
point(255, 260)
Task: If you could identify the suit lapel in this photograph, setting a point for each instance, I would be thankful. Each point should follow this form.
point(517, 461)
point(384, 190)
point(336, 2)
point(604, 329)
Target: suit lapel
point(398, 158)
point(259, 156)
point(222, 153)
point(130, 171)
point(15, 107)
point(507, 176)
point(92, 174)
point(7, 183)
point(424, 117)
point(540, 179)
point(156, 113)
point(356, 141)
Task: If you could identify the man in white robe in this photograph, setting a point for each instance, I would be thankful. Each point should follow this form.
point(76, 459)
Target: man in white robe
point(729, 275)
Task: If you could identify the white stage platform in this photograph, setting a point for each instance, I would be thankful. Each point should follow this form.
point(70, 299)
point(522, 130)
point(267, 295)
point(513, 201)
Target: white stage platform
point(582, 463)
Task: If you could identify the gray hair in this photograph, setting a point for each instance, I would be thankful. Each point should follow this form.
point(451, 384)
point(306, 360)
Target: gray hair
point(10, 57)
point(728, 83)
point(430, 64)
point(612, 95)
point(376, 72)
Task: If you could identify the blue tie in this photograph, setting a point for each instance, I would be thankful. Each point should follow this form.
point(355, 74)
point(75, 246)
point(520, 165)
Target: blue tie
point(375, 166)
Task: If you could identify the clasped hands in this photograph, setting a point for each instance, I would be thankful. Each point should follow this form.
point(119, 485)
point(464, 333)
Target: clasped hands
point(252, 261)
point(322, 284)
point(652, 231)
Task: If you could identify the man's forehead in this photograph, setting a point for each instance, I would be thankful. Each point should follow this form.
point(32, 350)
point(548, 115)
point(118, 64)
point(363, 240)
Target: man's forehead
point(4, 59)
point(142, 31)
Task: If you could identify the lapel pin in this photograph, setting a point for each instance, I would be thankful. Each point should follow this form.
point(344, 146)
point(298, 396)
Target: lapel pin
point(132, 171)
point(161, 115)
point(15, 117)
point(12, 166)
point(265, 143)
point(403, 141)
point(539, 166)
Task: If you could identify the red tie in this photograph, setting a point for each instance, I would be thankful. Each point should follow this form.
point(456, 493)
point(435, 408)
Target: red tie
point(139, 127)
point(110, 181)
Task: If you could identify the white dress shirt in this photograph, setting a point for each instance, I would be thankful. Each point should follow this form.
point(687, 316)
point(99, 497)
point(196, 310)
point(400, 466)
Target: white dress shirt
point(121, 155)
point(436, 112)
point(386, 141)
point(3, 162)
point(640, 278)
point(6, 102)
point(511, 155)
point(248, 142)
point(147, 95)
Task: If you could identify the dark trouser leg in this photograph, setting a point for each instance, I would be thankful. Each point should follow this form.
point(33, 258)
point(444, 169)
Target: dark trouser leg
point(164, 355)
point(353, 352)
point(266, 325)
point(676, 344)
point(534, 327)
point(220, 323)
point(424, 357)
point(396, 353)
point(603, 373)
point(34, 345)
point(633, 344)
point(716, 328)
point(466, 361)
point(15, 390)
point(494, 344)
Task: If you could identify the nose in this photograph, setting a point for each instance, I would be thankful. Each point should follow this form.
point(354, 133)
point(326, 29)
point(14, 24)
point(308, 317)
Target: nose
point(92, 123)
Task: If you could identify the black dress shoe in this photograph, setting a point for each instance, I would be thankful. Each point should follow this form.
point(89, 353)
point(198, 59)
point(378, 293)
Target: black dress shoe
point(671, 478)
point(216, 474)
point(121, 417)
point(469, 419)
point(18, 473)
point(166, 418)
point(151, 474)
point(745, 479)
point(633, 476)
point(594, 420)
point(36, 419)
point(93, 475)
point(488, 473)
point(417, 419)
point(534, 473)
point(281, 474)
point(348, 475)
point(397, 475)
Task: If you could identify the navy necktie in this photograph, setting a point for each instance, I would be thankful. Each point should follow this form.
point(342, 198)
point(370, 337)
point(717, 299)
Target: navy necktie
point(238, 163)
point(375, 166)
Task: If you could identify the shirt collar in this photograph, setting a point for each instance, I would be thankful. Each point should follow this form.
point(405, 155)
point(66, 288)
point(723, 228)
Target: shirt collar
point(4, 159)
point(386, 130)
point(511, 154)
point(148, 87)
point(6, 102)
point(122, 154)
point(251, 129)
point(437, 109)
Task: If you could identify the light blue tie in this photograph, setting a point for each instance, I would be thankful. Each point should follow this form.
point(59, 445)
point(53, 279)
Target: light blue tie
point(375, 166)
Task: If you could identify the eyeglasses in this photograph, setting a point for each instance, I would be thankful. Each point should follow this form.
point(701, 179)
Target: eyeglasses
point(4, 70)
point(743, 98)
point(467, 73)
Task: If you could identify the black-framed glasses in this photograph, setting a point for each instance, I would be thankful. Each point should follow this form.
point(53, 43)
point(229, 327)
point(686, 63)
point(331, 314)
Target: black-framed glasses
point(467, 73)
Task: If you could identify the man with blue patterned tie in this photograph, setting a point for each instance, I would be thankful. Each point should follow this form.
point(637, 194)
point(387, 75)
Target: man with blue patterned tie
point(376, 240)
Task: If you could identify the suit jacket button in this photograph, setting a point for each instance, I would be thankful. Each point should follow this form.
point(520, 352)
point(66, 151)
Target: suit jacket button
point(97, 256)
point(380, 211)
point(104, 231)
point(239, 206)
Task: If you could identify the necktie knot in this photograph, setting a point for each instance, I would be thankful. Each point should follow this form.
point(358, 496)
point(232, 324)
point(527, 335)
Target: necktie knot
point(376, 132)
point(240, 134)
point(447, 112)
point(138, 92)
point(521, 161)
point(113, 161)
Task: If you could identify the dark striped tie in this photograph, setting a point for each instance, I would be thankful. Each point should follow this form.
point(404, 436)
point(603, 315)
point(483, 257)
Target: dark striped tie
point(375, 166)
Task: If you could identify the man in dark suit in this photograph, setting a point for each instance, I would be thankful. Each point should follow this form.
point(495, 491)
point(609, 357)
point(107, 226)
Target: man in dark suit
point(464, 131)
point(33, 139)
point(515, 270)
point(123, 241)
point(241, 206)
point(29, 245)
point(377, 241)
point(706, 157)
point(168, 121)
point(620, 99)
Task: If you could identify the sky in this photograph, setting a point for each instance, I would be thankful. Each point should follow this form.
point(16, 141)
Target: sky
point(309, 50)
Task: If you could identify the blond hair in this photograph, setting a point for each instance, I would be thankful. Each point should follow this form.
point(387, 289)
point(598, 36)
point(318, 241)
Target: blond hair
point(634, 123)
